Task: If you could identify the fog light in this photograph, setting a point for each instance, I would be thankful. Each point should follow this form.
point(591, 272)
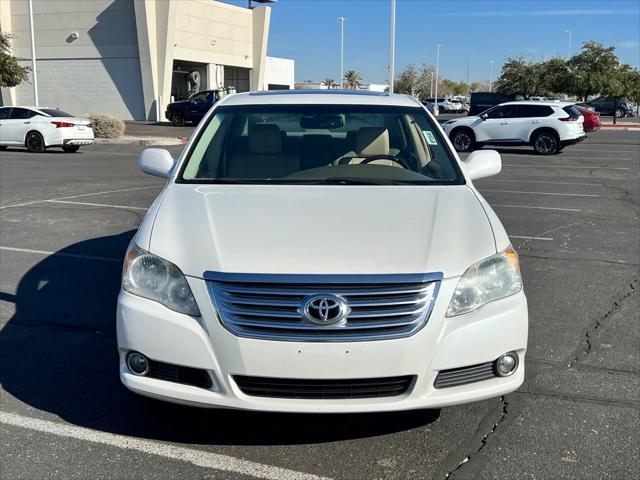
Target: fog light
point(137, 363)
point(507, 364)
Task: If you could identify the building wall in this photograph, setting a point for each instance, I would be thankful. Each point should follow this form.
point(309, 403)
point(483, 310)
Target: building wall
point(97, 72)
point(279, 71)
point(122, 61)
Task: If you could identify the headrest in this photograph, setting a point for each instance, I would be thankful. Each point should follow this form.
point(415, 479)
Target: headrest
point(265, 139)
point(372, 141)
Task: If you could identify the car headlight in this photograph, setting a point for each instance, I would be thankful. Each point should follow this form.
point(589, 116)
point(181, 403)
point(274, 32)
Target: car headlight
point(152, 277)
point(495, 277)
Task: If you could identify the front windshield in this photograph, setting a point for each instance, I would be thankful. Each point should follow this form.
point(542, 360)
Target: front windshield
point(320, 144)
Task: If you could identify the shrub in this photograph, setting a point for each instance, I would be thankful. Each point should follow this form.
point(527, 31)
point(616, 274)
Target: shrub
point(106, 126)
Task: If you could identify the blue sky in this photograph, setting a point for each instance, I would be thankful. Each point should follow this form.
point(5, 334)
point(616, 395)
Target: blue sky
point(478, 30)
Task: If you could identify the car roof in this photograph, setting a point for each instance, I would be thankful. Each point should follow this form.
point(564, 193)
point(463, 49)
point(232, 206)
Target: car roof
point(550, 103)
point(310, 97)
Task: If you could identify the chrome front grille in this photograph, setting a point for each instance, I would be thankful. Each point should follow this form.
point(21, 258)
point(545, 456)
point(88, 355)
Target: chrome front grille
point(269, 306)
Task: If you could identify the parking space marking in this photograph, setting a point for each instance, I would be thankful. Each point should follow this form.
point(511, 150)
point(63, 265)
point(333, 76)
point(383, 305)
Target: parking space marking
point(538, 208)
point(541, 181)
point(80, 196)
point(567, 166)
point(524, 237)
point(542, 193)
point(60, 254)
point(199, 458)
point(97, 205)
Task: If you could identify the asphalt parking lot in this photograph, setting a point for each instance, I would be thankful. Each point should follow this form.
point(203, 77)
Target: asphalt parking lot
point(65, 222)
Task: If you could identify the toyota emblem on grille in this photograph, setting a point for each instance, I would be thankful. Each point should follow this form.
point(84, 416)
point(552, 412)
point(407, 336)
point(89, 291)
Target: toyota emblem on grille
point(324, 309)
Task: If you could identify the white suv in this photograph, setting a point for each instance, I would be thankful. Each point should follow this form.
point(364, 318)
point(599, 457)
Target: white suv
point(547, 126)
point(321, 252)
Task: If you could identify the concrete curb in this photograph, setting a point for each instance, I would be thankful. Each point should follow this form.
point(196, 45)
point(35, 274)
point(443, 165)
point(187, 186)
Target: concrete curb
point(142, 141)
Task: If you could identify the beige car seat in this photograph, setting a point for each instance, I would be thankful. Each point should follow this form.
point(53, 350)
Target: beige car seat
point(264, 158)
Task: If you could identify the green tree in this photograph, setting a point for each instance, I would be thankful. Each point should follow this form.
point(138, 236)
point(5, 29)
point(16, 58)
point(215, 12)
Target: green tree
point(11, 73)
point(591, 71)
point(518, 76)
point(426, 77)
point(554, 76)
point(352, 79)
point(329, 82)
point(405, 81)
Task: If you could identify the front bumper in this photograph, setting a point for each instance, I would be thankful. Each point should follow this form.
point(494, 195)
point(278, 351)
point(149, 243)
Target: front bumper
point(444, 343)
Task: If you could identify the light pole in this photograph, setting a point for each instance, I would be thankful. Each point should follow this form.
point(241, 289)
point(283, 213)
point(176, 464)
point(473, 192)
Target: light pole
point(431, 86)
point(435, 98)
point(491, 77)
point(569, 32)
point(392, 46)
point(34, 72)
point(467, 95)
point(341, 20)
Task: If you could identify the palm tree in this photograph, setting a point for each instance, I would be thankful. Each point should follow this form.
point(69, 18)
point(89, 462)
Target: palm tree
point(352, 79)
point(329, 82)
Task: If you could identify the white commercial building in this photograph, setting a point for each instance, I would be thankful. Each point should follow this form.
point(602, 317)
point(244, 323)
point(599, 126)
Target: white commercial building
point(129, 58)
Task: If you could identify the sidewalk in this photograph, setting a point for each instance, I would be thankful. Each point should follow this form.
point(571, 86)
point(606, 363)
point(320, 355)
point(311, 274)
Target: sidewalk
point(148, 133)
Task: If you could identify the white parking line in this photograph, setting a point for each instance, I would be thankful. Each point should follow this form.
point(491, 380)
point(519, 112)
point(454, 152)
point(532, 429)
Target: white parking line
point(524, 237)
point(538, 208)
point(542, 193)
point(60, 254)
point(567, 166)
point(613, 150)
point(489, 180)
point(80, 196)
point(97, 205)
point(193, 456)
point(585, 157)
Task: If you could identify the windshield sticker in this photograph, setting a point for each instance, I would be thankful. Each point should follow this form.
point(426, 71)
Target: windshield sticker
point(431, 139)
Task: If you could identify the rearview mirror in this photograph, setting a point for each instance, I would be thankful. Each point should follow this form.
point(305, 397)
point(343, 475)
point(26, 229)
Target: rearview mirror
point(156, 161)
point(482, 163)
point(322, 121)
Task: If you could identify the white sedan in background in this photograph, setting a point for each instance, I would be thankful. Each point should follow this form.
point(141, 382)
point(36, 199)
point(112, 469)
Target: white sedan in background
point(39, 128)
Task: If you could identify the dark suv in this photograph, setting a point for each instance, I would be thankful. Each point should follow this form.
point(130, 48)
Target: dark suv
point(608, 106)
point(192, 109)
point(481, 101)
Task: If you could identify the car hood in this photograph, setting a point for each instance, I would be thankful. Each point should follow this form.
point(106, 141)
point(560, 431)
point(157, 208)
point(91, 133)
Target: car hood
point(468, 121)
point(179, 102)
point(321, 229)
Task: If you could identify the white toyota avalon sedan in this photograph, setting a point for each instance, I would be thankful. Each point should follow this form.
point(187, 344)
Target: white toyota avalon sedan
point(321, 252)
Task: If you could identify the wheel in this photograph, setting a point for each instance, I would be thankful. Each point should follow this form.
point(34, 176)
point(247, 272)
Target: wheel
point(177, 119)
point(546, 143)
point(619, 113)
point(3, 147)
point(70, 148)
point(34, 142)
point(463, 140)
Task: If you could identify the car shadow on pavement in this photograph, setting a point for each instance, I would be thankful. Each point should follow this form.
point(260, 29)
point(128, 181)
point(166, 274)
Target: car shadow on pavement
point(58, 355)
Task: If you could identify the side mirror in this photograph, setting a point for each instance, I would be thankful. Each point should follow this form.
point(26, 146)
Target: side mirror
point(484, 116)
point(156, 161)
point(482, 163)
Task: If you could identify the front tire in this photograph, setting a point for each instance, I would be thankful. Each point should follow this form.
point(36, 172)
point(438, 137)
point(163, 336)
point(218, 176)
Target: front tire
point(177, 119)
point(70, 148)
point(463, 140)
point(619, 113)
point(34, 142)
point(546, 143)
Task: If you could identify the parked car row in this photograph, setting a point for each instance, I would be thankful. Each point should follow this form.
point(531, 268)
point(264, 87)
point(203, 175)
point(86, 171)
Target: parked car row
point(546, 126)
point(39, 128)
point(446, 105)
